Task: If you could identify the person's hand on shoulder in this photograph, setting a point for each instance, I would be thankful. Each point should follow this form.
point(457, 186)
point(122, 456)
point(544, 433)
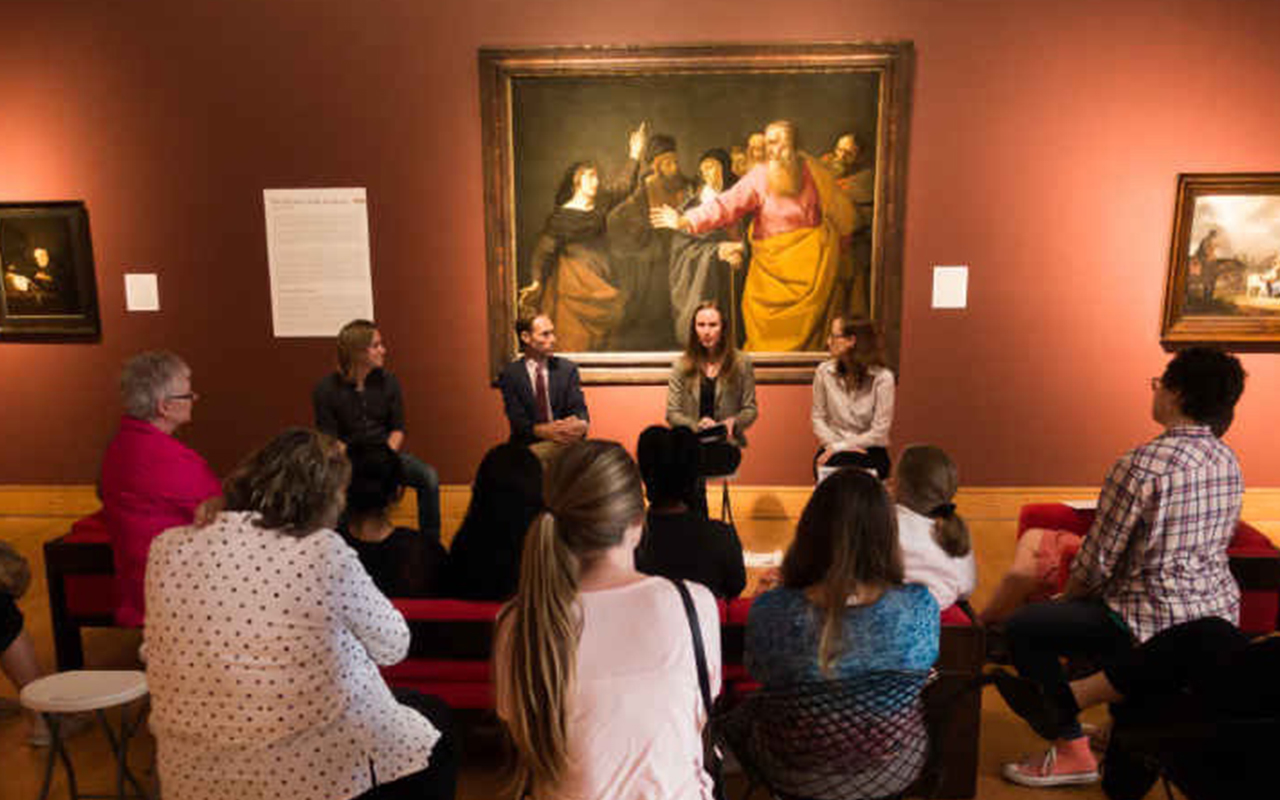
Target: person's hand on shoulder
point(208, 511)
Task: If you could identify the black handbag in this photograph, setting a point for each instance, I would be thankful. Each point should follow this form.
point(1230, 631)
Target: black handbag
point(711, 759)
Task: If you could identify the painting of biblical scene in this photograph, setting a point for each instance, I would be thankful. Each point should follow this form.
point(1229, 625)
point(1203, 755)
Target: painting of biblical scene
point(47, 289)
point(1225, 270)
point(626, 186)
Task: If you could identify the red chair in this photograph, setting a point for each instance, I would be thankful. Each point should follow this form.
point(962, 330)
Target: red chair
point(1255, 561)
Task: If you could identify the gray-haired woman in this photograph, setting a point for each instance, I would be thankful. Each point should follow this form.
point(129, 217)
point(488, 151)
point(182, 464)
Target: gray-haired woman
point(150, 481)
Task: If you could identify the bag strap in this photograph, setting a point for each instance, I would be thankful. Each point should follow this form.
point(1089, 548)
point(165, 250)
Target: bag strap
point(699, 652)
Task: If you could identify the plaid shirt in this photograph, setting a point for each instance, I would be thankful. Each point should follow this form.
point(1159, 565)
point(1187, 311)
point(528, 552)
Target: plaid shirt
point(1157, 551)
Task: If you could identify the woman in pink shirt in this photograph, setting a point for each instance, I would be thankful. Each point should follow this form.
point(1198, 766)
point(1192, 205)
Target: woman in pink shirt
point(150, 481)
point(595, 672)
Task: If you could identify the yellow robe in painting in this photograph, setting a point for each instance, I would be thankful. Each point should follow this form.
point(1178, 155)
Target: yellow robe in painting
point(789, 299)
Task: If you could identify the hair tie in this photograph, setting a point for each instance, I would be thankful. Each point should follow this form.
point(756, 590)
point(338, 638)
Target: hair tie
point(942, 510)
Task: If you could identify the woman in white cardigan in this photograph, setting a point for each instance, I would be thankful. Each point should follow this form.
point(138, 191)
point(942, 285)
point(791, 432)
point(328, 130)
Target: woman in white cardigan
point(263, 639)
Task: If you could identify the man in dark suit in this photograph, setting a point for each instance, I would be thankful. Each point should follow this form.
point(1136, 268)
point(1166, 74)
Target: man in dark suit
point(541, 392)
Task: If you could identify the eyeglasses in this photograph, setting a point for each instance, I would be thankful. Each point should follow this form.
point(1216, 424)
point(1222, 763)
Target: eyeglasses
point(1156, 383)
point(186, 396)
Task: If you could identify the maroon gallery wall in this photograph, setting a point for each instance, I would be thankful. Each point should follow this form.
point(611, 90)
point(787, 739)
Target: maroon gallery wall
point(1045, 142)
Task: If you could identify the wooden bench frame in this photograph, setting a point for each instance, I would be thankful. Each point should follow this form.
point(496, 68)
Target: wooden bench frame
point(63, 559)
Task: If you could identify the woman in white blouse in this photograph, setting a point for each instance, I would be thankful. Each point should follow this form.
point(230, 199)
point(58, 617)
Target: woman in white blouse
point(595, 673)
point(936, 546)
point(853, 400)
point(263, 638)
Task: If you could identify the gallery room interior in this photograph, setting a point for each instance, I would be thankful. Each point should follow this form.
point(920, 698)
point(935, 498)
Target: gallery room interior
point(1044, 145)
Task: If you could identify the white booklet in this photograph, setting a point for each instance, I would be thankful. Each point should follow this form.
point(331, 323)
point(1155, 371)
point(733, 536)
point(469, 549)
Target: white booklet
point(756, 560)
point(1082, 505)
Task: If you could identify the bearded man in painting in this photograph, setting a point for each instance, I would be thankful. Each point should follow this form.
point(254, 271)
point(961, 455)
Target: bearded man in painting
point(801, 217)
point(857, 179)
point(641, 255)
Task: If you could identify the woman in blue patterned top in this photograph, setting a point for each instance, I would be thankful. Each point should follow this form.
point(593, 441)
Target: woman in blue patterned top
point(842, 610)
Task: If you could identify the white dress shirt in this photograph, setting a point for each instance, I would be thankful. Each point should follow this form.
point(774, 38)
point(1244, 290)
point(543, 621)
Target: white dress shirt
point(262, 653)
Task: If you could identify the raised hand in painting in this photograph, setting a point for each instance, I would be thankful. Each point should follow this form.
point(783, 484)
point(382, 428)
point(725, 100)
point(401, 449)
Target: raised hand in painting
point(637, 139)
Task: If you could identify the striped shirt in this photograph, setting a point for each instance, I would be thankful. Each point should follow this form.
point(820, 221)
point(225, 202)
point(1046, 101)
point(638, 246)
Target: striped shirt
point(1157, 551)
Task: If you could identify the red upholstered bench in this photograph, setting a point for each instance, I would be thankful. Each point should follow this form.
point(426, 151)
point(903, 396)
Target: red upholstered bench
point(79, 569)
point(452, 643)
point(1255, 561)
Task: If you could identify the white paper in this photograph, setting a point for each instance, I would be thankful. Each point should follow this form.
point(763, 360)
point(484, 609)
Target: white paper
point(950, 287)
point(757, 560)
point(318, 256)
point(1082, 505)
point(141, 291)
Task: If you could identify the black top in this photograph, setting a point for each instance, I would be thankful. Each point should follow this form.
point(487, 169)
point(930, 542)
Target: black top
point(484, 556)
point(687, 546)
point(405, 564)
point(707, 398)
point(359, 417)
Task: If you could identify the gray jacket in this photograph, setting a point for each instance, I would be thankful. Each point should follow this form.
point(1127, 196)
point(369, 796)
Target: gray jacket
point(735, 397)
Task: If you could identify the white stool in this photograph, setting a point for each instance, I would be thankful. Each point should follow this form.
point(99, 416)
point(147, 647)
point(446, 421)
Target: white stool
point(80, 691)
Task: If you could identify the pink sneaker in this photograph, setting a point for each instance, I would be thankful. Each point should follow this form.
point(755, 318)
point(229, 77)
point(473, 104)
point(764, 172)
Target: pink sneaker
point(1074, 767)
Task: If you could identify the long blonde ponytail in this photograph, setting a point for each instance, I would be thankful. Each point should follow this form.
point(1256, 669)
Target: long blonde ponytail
point(544, 630)
point(592, 495)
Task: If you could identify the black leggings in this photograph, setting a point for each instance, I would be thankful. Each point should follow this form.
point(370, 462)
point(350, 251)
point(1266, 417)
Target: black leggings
point(1041, 633)
point(439, 781)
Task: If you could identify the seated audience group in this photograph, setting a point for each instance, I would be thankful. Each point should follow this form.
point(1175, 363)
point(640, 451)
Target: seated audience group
point(264, 626)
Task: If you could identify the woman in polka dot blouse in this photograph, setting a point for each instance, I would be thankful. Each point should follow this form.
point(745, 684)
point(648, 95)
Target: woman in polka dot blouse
point(262, 642)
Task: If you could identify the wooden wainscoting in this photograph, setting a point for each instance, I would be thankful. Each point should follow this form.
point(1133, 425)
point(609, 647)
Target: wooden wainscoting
point(770, 505)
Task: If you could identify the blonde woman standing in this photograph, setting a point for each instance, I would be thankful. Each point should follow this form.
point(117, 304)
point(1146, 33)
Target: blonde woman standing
point(595, 672)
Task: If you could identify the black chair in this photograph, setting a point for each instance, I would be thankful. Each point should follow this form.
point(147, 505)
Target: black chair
point(1205, 754)
point(861, 738)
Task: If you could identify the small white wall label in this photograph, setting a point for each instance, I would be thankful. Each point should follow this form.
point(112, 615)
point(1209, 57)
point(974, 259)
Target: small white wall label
point(141, 291)
point(950, 287)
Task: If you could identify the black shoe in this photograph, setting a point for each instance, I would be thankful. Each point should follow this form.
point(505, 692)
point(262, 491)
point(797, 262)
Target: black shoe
point(1028, 701)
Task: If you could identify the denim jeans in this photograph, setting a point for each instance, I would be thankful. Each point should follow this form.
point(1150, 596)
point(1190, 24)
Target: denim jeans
point(426, 482)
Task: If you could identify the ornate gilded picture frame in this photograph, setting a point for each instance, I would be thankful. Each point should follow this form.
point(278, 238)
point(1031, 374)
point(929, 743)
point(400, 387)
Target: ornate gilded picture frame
point(626, 185)
point(1223, 280)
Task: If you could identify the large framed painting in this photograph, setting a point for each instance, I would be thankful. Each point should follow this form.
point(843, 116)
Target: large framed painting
point(1223, 282)
point(48, 290)
point(624, 186)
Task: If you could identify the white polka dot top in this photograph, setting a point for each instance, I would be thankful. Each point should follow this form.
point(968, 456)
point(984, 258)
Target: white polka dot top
point(261, 654)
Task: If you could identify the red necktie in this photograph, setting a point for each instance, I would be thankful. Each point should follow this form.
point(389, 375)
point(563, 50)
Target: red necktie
point(540, 396)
